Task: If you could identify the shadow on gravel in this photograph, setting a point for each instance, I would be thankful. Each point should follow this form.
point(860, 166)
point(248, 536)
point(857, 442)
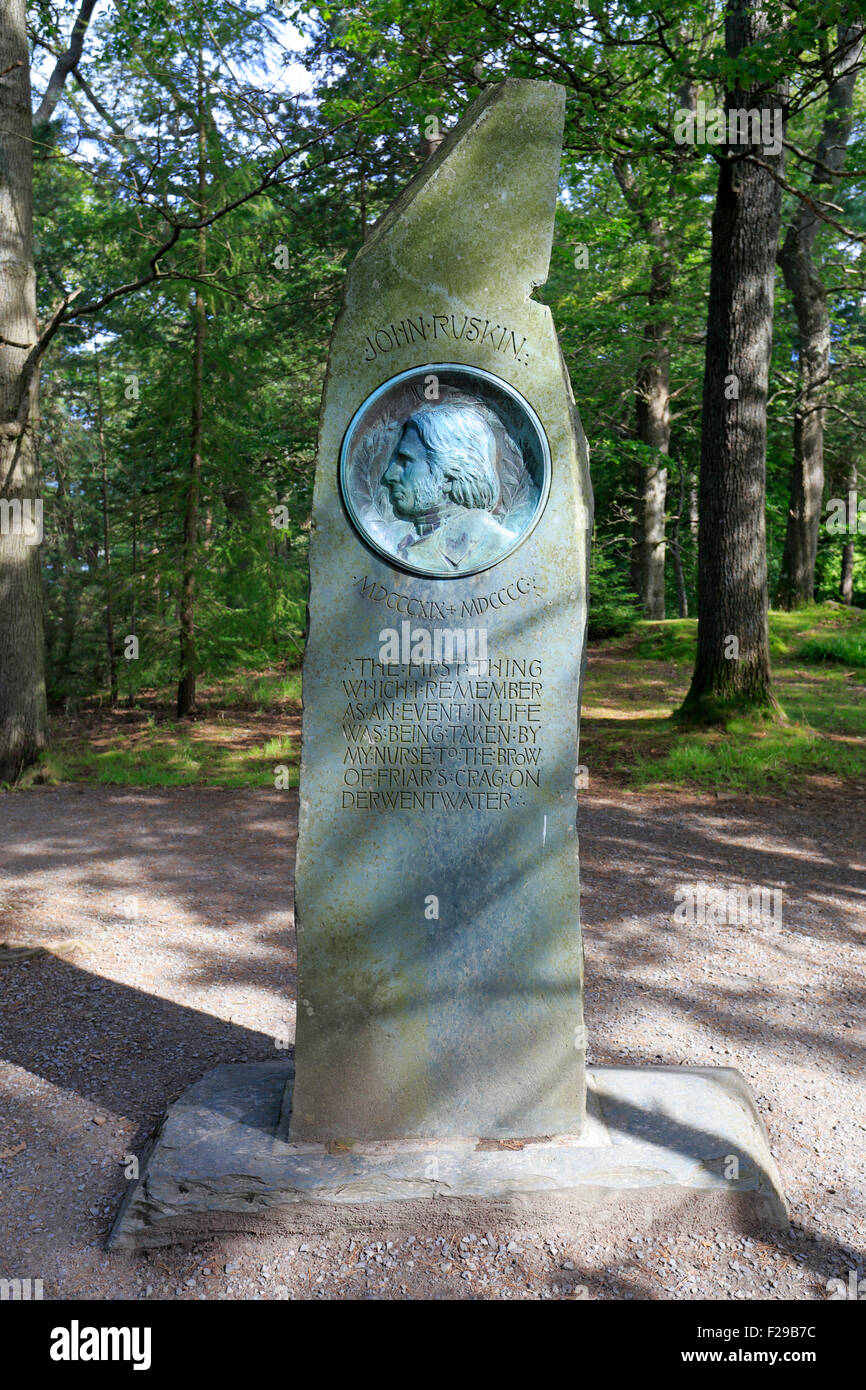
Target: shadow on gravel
point(113, 1044)
point(224, 858)
point(631, 865)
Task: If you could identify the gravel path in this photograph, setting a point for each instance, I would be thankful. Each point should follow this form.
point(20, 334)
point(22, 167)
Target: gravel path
point(166, 915)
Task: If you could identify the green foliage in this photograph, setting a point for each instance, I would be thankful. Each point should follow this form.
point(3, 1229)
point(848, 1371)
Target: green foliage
point(750, 760)
point(611, 604)
point(673, 640)
point(847, 648)
point(113, 178)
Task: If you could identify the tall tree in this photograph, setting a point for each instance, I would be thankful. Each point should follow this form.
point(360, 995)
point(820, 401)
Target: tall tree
point(732, 669)
point(111, 654)
point(186, 683)
point(23, 707)
point(652, 402)
point(139, 141)
point(23, 717)
point(803, 278)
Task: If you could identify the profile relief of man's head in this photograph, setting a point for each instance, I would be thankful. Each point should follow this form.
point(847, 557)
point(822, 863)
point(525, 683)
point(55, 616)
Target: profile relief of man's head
point(446, 454)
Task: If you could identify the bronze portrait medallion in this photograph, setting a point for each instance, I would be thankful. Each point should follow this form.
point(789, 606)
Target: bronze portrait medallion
point(444, 470)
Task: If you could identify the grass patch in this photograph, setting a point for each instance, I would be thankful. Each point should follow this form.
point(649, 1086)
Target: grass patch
point(673, 640)
point(254, 688)
point(134, 748)
point(169, 757)
point(805, 633)
point(634, 685)
point(247, 726)
point(751, 761)
point(845, 648)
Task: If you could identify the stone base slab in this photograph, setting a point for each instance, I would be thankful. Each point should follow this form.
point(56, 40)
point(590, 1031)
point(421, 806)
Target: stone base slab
point(658, 1140)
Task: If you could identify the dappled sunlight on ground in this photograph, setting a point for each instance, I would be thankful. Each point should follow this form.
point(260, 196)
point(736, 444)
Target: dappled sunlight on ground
point(166, 914)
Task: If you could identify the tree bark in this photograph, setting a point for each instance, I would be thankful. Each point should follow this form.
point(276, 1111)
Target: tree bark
point(188, 660)
point(133, 584)
point(732, 670)
point(797, 577)
point(652, 409)
point(846, 585)
point(653, 420)
point(106, 545)
point(676, 549)
point(23, 711)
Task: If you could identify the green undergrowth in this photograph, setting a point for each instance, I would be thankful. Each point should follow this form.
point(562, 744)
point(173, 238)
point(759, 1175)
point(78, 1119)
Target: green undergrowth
point(635, 683)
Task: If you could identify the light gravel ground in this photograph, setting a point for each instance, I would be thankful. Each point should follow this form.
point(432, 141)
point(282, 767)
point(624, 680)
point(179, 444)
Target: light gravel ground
point(167, 918)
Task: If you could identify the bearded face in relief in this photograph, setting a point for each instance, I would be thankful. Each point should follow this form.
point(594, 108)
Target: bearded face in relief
point(446, 454)
point(442, 476)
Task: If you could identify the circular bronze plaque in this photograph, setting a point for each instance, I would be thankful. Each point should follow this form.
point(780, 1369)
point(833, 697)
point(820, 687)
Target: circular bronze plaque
point(444, 470)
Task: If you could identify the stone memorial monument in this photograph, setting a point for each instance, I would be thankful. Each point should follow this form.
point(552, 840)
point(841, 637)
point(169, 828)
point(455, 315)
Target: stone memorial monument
point(440, 1047)
point(436, 886)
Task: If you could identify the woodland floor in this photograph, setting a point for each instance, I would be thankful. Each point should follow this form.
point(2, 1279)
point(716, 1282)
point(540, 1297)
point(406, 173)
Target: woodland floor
point(165, 920)
point(161, 917)
point(248, 724)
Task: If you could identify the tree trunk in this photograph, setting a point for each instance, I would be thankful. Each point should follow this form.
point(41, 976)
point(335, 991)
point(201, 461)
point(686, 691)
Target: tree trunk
point(188, 661)
point(732, 670)
point(363, 201)
point(846, 586)
point(23, 712)
point(133, 578)
point(106, 545)
point(797, 577)
point(652, 407)
point(23, 709)
point(133, 583)
point(66, 529)
point(653, 420)
point(676, 549)
point(63, 504)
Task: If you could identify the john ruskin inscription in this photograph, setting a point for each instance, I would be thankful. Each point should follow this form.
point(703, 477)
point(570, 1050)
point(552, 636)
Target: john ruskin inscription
point(440, 957)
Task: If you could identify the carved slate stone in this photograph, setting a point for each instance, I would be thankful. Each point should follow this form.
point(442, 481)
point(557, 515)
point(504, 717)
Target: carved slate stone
point(440, 959)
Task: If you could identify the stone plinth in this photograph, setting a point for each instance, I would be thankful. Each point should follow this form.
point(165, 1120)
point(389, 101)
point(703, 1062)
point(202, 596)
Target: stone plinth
point(657, 1141)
